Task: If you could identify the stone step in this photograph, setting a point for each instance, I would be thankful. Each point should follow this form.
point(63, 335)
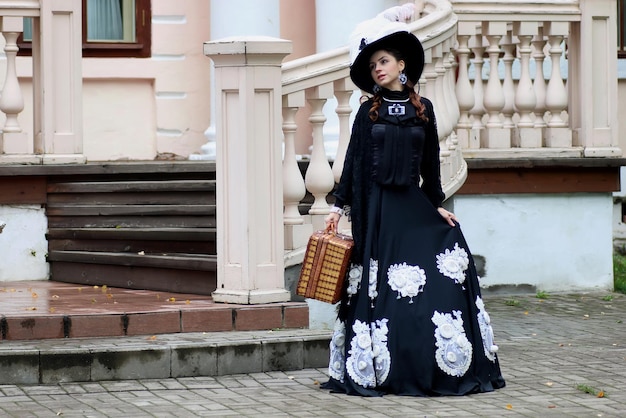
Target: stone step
point(162, 356)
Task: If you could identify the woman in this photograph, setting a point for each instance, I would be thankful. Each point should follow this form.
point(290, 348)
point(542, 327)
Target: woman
point(412, 321)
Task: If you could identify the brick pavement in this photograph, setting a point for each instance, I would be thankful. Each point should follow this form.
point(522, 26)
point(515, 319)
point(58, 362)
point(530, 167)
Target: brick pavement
point(547, 348)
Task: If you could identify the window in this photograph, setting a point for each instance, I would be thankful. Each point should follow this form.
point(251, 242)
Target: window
point(111, 28)
point(621, 28)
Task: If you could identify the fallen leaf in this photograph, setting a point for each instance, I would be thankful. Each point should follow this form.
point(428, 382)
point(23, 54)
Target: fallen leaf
point(172, 299)
point(154, 337)
point(316, 382)
point(34, 295)
point(509, 406)
point(93, 301)
point(52, 310)
point(600, 394)
point(104, 288)
point(549, 384)
point(525, 312)
point(55, 296)
point(187, 302)
point(80, 289)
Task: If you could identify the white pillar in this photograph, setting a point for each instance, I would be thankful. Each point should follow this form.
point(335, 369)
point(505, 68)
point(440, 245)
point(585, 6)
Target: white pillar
point(57, 82)
point(593, 78)
point(250, 242)
point(335, 21)
point(237, 18)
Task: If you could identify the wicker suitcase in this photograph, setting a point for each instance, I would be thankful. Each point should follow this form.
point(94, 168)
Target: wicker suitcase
point(325, 266)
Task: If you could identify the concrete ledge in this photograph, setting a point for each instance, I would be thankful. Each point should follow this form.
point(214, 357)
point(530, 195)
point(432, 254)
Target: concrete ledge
point(163, 356)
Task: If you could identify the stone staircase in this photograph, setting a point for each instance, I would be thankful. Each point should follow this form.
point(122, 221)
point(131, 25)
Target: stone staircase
point(149, 228)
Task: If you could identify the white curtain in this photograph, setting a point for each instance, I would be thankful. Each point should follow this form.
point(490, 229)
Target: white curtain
point(104, 20)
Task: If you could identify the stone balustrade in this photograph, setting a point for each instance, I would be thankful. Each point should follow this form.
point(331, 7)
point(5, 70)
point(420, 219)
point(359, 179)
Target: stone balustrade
point(537, 58)
point(316, 79)
point(509, 79)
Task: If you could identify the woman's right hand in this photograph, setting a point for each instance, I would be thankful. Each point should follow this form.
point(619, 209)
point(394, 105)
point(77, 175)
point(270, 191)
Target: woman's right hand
point(332, 220)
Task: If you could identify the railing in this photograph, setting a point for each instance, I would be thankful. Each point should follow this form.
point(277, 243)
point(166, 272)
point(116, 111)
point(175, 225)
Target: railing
point(316, 79)
point(562, 109)
point(509, 79)
point(56, 132)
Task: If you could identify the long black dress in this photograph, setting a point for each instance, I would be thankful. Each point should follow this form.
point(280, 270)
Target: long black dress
point(412, 321)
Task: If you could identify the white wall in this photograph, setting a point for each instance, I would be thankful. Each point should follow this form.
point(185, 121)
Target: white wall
point(23, 244)
point(554, 242)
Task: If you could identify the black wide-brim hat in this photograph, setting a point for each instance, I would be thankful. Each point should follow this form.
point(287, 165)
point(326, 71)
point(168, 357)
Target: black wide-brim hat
point(407, 44)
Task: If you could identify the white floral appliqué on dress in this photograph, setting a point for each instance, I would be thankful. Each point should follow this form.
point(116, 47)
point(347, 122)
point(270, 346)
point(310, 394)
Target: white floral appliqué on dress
point(336, 366)
point(407, 280)
point(454, 351)
point(369, 360)
point(354, 280)
point(486, 331)
point(373, 280)
point(453, 263)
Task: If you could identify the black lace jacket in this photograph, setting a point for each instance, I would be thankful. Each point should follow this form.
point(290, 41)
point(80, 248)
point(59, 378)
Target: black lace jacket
point(359, 169)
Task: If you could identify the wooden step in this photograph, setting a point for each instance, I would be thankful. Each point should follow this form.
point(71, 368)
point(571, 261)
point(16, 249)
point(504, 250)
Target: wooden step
point(132, 186)
point(135, 221)
point(199, 282)
point(133, 246)
point(139, 259)
point(132, 210)
point(148, 234)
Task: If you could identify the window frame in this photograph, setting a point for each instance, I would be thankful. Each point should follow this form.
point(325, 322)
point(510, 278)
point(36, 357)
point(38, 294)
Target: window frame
point(141, 48)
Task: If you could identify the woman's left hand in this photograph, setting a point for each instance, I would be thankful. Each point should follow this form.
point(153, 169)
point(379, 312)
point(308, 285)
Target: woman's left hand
point(448, 216)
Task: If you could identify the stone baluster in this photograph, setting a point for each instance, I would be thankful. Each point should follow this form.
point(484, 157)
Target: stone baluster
point(429, 80)
point(463, 88)
point(495, 136)
point(539, 85)
point(296, 231)
point(478, 110)
point(557, 133)
point(319, 178)
point(449, 65)
point(344, 90)
point(444, 124)
point(14, 140)
point(508, 85)
point(525, 135)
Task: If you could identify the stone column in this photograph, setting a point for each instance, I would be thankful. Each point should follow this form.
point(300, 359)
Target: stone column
point(237, 18)
point(592, 79)
point(57, 83)
point(250, 246)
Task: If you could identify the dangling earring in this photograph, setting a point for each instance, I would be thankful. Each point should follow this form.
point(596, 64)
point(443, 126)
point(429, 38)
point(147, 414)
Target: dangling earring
point(376, 89)
point(402, 77)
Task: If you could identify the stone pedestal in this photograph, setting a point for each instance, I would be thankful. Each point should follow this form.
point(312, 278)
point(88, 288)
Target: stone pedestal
point(250, 232)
